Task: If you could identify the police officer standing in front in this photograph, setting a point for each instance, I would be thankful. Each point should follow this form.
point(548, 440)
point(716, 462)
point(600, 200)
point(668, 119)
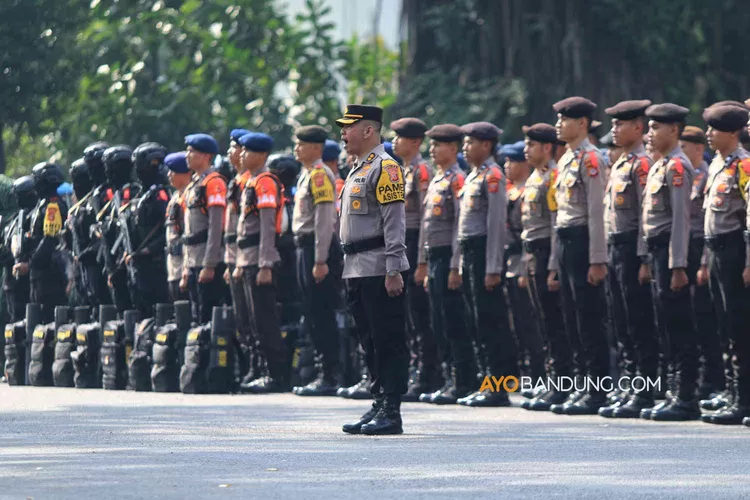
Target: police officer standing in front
point(373, 224)
point(666, 227)
point(582, 251)
point(318, 257)
point(205, 201)
point(728, 244)
point(179, 178)
point(17, 286)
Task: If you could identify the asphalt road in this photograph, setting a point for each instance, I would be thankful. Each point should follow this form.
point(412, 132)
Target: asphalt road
point(67, 443)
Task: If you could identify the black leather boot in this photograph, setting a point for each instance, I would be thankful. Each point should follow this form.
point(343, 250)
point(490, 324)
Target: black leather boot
point(387, 420)
point(609, 410)
point(632, 408)
point(324, 385)
point(265, 385)
point(646, 412)
point(679, 411)
point(589, 404)
point(488, 399)
point(717, 402)
point(731, 415)
point(356, 427)
point(559, 409)
point(746, 421)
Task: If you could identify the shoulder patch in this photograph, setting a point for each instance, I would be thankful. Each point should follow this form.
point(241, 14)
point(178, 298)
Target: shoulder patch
point(266, 192)
point(591, 162)
point(745, 165)
point(677, 169)
point(52, 220)
point(216, 191)
point(390, 186)
point(642, 170)
point(162, 196)
point(321, 187)
point(423, 176)
point(552, 191)
point(493, 178)
point(744, 177)
point(457, 183)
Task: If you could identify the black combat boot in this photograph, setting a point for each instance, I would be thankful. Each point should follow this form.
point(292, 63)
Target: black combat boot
point(264, 385)
point(589, 404)
point(679, 411)
point(746, 421)
point(647, 412)
point(356, 427)
point(633, 407)
point(325, 385)
point(731, 415)
point(615, 401)
point(717, 402)
point(573, 397)
point(387, 420)
point(487, 399)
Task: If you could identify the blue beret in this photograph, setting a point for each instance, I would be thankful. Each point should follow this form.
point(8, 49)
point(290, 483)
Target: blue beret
point(255, 141)
point(388, 145)
point(462, 162)
point(235, 134)
point(64, 189)
point(203, 143)
point(331, 150)
point(514, 152)
point(176, 163)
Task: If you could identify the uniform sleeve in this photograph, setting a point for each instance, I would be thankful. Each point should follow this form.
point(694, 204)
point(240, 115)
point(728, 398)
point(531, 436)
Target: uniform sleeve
point(156, 244)
point(456, 186)
point(215, 229)
point(639, 176)
point(497, 219)
point(423, 179)
point(744, 185)
point(390, 195)
point(421, 257)
point(552, 264)
point(593, 180)
point(216, 192)
point(322, 190)
point(268, 201)
point(54, 214)
point(679, 184)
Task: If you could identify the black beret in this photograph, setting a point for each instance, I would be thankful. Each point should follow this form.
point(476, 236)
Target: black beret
point(541, 132)
point(575, 107)
point(693, 134)
point(730, 103)
point(411, 128)
point(667, 113)
point(356, 112)
point(311, 133)
point(447, 132)
point(484, 131)
point(628, 110)
point(726, 118)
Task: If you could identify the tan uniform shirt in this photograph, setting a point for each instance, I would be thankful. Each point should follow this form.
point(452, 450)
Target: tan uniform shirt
point(441, 214)
point(259, 221)
point(173, 227)
point(205, 201)
point(314, 209)
point(513, 239)
point(539, 209)
point(237, 185)
point(697, 212)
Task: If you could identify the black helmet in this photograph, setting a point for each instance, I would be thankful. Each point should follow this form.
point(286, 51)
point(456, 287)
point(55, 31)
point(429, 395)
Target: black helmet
point(286, 168)
point(47, 178)
point(224, 167)
point(23, 189)
point(118, 164)
point(92, 155)
point(82, 181)
point(148, 158)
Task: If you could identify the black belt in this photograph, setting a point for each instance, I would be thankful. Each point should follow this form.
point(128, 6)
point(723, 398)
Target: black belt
point(514, 248)
point(572, 232)
point(304, 240)
point(248, 241)
point(175, 248)
point(468, 244)
point(722, 241)
point(440, 252)
point(360, 246)
point(230, 238)
point(196, 239)
point(623, 237)
point(538, 244)
point(658, 241)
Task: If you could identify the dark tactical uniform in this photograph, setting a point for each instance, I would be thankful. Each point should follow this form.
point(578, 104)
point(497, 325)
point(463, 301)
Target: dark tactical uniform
point(726, 204)
point(47, 270)
point(78, 236)
point(17, 288)
point(666, 228)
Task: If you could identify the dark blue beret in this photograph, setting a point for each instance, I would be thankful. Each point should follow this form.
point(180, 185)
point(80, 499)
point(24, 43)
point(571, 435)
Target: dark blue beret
point(257, 142)
point(484, 131)
point(235, 134)
point(203, 143)
point(388, 145)
point(331, 150)
point(514, 152)
point(176, 162)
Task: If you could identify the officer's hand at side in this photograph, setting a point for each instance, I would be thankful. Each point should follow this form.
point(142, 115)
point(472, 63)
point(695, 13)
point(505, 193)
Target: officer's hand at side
point(644, 274)
point(426, 284)
point(206, 275)
point(702, 276)
point(522, 282)
point(679, 279)
point(227, 276)
point(265, 277)
point(455, 280)
point(184, 281)
point(746, 276)
point(491, 281)
point(597, 273)
point(320, 271)
point(420, 274)
point(21, 269)
point(394, 285)
point(553, 284)
point(69, 288)
point(237, 274)
point(128, 258)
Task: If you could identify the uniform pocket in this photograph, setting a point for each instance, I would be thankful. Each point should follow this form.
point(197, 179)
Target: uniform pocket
point(621, 191)
point(357, 203)
point(720, 202)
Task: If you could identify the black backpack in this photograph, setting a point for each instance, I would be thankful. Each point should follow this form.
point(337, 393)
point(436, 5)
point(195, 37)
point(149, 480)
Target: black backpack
point(193, 377)
point(86, 356)
point(15, 353)
point(165, 373)
point(220, 372)
point(139, 362)
point(42, 355)
point(63, 372)
point(113, 356)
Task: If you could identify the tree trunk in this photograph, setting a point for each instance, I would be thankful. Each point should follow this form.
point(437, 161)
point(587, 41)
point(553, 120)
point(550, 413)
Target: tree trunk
point(2, 150)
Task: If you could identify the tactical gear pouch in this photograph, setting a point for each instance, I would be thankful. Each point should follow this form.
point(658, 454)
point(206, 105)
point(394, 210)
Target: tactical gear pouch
point(42, 355)
point(139, 362)
point(63, 372)
point(86, 356)
point(193, 376)
point(114, 356)
point(165, 373)
point(220, 372)
point(15, 353)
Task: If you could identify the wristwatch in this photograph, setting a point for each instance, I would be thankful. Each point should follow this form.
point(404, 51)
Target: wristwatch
point(391, 274)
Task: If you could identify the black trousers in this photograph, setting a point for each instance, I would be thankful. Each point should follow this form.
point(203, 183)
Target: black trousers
point(205, 296)
point(586, 301)
point(636, 302)
point(489, 313)
point(97, 291)
point(676, 311)
point(381, 325)
point(152, 286)
point(264, 311)
point(119, 290)
point(175, 293)
point(240, 301)
point(17, 295)
point(549, 309)
point(616, 322)
point(526, 328)
point(705, 307)
point(448, 319)
point(421, 338)
point(49, 292)
point(726, 263)
point(319, 304)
